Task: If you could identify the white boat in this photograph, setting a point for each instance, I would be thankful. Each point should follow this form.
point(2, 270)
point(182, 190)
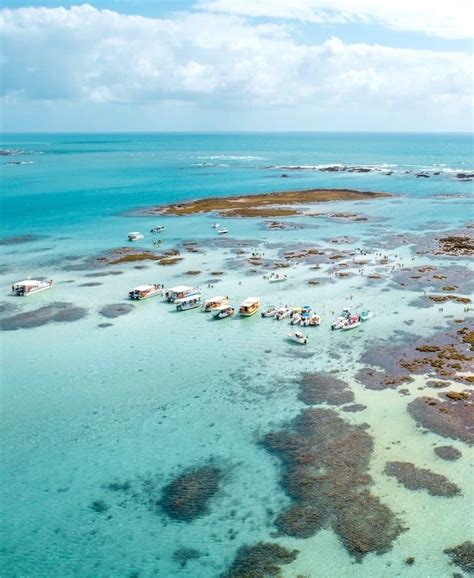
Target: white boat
point(314, 320)
point(276, 277)
point(215, 303)
point(189, 302)
point(215, 226)
point(269, 311)
point(296, 319)
point(351, 323)
point(366, 314)
point(30, 286)
point(298, 337)
point(250, 306)
point(135, 236)
point(341, 320)
point(180, 292)
point(157, 229)
point(145, 291)
point(222, 231)
point(282, 313)
point(223, 312)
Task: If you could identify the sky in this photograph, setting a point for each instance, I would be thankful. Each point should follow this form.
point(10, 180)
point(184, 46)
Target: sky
point(236, 65)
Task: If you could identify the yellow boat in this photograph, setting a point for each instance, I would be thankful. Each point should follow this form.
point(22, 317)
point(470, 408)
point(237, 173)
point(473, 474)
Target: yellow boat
point(250, 306)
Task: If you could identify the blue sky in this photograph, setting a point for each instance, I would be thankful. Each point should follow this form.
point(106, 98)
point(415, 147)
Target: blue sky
point(236, 65)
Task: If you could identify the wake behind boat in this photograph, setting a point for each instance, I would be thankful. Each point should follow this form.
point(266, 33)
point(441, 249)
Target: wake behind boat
point(135, 236)
point(30, 286)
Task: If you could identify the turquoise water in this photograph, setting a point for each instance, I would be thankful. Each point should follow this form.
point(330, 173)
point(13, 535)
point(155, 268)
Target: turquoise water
point(158, 392)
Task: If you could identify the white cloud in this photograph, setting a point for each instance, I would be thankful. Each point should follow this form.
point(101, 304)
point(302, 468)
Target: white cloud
point(441, 18)
point(88, 55)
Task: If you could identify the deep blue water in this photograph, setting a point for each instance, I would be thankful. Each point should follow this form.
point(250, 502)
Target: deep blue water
point(78, 178)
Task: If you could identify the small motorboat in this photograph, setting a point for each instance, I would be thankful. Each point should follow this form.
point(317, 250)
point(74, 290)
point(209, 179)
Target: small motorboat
point(30, 286)
point(223, 312)
point(145, 291)
point(158, 229)
point(269, 311)
point(298, 337)
point(135, 236)
point(222, 231)
point(342, 319)
point(366, 314)
point(282, 313)
point(296, 319)
point(314, 320)
point(276, 277)
point(215, 226)
point(351, 323)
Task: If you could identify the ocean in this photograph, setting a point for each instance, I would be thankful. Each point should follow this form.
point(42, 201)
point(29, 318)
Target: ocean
point(101, 412)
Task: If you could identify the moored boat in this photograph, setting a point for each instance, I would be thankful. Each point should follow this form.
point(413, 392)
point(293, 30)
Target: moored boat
point(215, 303)
point(340, 321)
point(298, 337)
point(135, 236)
point(351, 323)
point(30, 286)
point(366, 314)
point(270, 311)
point(145, 291)
point(180, 292)
point(189, 302)
point(158, 229)
point(250, 306)
point(222, 231)
point(223, 312)
point(276, 277)
point(282, 312)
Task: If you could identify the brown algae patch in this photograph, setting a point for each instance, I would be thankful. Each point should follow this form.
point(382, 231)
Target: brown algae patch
point(326, 462)
point(187, 497)
point(414, 478)
point(448, 453)
point(445, 417)
point(324, 388)
point(259, 561)
point(263, 205)
point(57, 312)
point(462, 556)
point(115, 310)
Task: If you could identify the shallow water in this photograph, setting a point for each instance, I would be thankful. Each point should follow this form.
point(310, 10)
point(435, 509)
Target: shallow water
point(158, 392)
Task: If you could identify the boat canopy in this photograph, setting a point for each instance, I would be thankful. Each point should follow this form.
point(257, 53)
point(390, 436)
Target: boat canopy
point(250, 301)
point(143, 288)
point(29, 283)
point(180, 289)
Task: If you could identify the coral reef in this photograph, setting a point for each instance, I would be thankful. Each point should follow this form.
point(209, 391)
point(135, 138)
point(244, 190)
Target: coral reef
point(261, 560)
point(415, 478)
point(56, 312)
point(462, 556)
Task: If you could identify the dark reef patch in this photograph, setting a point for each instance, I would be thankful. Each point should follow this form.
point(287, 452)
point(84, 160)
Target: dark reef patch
point(104, 325)
point(448, 453)
point(317, 388)
point(261, 560)
point(187, 497)
point(57, 312)
point(445, 416)
point(326, 463)
point(20, 239)
point(91, 284)
point(115, 310)
point(354, 407)
point(462, 556)
point(414, 478)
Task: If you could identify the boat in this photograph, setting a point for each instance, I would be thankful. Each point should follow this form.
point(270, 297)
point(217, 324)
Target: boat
point(305, 315)
point(145, 291)
point(222, 231)
point(223, 312)
point(282, 313)
point(341, 320)
point(215, 303)
point(135, 236)
point(250, 306)
point(215, 226)
point(270, 311)
point(298, 337)
point(157, 229)
point(30, 286)
point(189, 302)
point(351, 323)
point(314, 320)
point(366, 314)
point(276, 277)
point(180, 292)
